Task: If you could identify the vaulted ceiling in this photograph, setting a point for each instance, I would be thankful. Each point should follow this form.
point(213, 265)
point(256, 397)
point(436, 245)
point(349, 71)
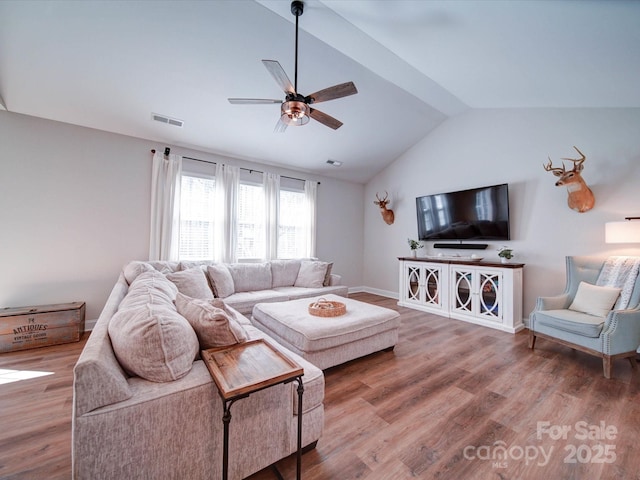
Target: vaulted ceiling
point(110, 64)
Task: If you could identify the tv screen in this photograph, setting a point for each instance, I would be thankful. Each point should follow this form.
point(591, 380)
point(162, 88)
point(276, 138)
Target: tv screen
point(475, 214)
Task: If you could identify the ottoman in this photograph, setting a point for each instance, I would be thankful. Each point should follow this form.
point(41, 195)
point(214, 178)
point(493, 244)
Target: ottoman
point(328, 341)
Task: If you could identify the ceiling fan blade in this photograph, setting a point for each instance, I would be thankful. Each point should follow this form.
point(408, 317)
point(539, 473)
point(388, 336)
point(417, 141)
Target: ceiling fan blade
point(278, 73)
point(253, 101)
point(280, 127)
point(331, 93)
point(325, 119)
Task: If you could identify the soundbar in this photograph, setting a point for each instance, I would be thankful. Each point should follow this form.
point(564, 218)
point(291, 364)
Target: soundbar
point(463, 246)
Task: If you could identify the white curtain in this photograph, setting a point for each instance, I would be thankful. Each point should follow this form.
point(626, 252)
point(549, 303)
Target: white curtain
point(310, 193)
point(271, 186)
point(225, 234)
point(165, 207)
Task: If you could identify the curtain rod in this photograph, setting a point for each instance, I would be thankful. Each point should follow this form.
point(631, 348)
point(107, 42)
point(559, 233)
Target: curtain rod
point(167, 150)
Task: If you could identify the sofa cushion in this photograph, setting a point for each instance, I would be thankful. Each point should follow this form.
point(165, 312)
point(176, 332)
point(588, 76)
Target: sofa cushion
point(189, 264)
point(327, 275)
point(311, 274)
point(153, 342)
point(152, 288)
point(249, 277)
point(221, 280)
point(295, 293)
point(284, 272)
point(192, 283)
point(150, 339)
point(232, 312)
point(135, 268)
point(243, 302)
point(214, 327)
point(571, 321)
point(594, 300)
point(164, 266)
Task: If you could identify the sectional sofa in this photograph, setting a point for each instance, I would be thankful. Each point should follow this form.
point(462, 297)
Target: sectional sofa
point(144, 404)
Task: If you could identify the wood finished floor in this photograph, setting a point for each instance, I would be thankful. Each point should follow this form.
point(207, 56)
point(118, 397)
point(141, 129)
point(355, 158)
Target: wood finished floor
point(448, 388)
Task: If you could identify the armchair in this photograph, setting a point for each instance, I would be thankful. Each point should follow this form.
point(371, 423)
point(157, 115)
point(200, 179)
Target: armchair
point(615, 335)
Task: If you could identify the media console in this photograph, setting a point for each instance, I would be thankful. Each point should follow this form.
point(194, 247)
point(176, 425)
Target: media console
point(475, 291)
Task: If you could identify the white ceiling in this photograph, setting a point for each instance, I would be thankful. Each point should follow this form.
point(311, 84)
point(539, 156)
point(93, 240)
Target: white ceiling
point(110, 64)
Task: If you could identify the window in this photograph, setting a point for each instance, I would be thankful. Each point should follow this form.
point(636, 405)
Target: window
point(200, 211)
point(291, 228)
point(251, 232)
point(196, 217)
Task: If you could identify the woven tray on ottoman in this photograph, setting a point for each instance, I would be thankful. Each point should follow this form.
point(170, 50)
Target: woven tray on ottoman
point(327, 341)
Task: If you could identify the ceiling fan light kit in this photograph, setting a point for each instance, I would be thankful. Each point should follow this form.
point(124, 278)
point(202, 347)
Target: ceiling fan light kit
point(294, 113)
point(295, 110)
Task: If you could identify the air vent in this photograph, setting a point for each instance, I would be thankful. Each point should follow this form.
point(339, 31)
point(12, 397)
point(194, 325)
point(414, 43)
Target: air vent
point(335, 163)
point(168, 120)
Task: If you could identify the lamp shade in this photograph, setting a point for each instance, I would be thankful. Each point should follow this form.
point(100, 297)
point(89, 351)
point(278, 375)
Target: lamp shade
point(294, 113)
point(622, 232)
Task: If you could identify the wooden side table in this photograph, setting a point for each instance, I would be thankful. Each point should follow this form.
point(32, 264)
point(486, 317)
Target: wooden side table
point(245, 368)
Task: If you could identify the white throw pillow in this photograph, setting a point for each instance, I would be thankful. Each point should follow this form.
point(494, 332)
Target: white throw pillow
point(594, 300)
point(250, 277)
point(311, 274)
point(221, 280)
point(135, 268)
point(153, 342)
point(192, 282)
point(213, 326)
point(149, 288)
point(284, 272)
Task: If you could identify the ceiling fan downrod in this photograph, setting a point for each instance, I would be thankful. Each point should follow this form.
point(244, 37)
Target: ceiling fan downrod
point(297, 8)
point(296, 110)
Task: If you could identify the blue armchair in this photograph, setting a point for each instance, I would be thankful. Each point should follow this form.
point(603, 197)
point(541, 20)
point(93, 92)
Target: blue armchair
point(616, 335)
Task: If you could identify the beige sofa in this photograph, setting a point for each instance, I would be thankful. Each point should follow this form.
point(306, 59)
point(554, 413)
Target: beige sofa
point(126, 426)
point(243, 285)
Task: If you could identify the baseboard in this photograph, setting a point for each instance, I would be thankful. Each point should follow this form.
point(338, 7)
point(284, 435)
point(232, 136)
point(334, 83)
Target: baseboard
point(374, 291)
point(89, 324)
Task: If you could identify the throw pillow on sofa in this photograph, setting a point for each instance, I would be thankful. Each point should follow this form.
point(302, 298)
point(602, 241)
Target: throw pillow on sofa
point(192, 282)
point(153, 342)
point(213, 326)
point(221, 280)
point(150, 287)
point(312, 274)
point(135, 268)
point(284, 272)
point(250, 277)
point(327, 276)
point(149, 338)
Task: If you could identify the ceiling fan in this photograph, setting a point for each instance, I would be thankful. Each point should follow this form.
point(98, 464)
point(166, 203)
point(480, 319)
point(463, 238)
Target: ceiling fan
point(295, 109)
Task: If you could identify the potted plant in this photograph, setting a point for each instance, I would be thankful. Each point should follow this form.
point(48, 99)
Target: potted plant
point(505, 253)
point(414, 245)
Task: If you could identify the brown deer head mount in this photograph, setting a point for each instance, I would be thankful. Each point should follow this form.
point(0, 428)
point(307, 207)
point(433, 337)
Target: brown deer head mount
point(387, 215)
point(581, 197)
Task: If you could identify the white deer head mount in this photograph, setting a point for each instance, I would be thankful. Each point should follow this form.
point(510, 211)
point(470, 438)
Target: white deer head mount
point(387, 214)
point(581, 197)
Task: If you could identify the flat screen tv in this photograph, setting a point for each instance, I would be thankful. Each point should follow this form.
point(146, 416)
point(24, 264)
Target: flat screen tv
point(474, 214)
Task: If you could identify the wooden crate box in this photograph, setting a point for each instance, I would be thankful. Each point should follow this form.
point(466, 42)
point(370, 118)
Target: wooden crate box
point(40, 326)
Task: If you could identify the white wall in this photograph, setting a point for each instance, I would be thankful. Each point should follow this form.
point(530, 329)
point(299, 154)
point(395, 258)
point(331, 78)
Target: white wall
point(483, 147)
point(74, 208)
